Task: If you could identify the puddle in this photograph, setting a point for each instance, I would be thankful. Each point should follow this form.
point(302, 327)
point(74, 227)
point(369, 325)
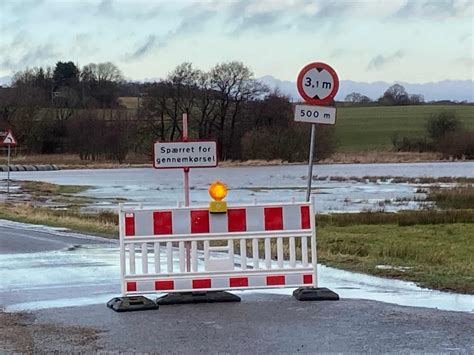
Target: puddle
point(266, 184)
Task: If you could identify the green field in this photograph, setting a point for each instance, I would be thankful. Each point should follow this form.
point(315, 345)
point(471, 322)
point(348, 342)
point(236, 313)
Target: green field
point(361, 129)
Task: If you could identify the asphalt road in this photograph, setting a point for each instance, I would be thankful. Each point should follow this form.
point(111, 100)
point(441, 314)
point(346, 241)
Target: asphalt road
point(261, 323)
point(22, 240)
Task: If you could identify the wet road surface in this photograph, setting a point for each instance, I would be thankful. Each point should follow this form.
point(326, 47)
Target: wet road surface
point(64, 279)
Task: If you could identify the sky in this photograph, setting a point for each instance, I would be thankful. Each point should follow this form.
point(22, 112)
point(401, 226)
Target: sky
point(415, 41)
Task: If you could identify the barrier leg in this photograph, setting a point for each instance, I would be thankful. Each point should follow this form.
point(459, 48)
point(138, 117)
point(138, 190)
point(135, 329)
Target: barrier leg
point(197, 297)
point(131, 303)
point(315, 294)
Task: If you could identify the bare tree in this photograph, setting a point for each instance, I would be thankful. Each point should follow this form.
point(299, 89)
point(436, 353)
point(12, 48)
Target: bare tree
point(235, 83)
point(100, 82)
point(356, 97)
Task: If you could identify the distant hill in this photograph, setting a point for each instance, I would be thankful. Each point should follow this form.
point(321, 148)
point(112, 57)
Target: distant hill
point(454, 90)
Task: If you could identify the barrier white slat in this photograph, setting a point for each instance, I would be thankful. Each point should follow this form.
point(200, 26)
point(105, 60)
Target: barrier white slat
point(255, 253)
point(145, 258)
point(292, 252)
point(304, 251)
point(280, 252)
point(157, 257)
point(243, 254)
point(273, 227)
point(182, 257)
point(131, 250)
point(268, 254)
point(169, 256)
point(194, 257)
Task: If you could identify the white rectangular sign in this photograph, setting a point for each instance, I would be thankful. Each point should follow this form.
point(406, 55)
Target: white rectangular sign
point(194, 154)
point(315, 114)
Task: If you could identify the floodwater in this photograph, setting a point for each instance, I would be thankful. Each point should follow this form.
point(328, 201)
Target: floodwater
point(264, 184)
point(89, 274)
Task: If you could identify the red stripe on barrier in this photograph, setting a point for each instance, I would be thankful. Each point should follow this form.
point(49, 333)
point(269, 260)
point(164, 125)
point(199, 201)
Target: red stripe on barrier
point(275, 280)
point(237, 220)
point(131, 286)
point(200, 221)
point(238, 281)
point(164, 285)
point(162, 223)
point(129, 224)
point(305, 222)
point(273, 218)
point(202, 283)
point(308, 279)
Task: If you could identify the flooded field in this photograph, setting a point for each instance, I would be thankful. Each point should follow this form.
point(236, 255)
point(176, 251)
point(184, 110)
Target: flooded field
point(338, 187)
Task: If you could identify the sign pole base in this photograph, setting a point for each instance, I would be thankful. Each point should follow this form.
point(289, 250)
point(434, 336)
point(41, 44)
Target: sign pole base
point(310, 162)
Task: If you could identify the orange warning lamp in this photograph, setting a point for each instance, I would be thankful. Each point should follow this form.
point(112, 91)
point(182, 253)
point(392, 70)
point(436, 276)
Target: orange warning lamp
point(218, 192)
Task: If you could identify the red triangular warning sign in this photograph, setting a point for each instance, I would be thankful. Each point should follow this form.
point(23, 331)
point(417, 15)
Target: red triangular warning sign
point(9, 139)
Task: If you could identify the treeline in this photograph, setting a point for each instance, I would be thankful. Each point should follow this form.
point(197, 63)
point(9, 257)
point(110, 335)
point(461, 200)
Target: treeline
point(66, 109)
point(444, 133)
point(67, 85)
point(395, 95)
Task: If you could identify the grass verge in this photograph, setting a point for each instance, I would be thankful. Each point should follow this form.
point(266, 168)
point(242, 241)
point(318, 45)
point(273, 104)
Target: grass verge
point(437, 256)
point(455, 198)
point(103, 224)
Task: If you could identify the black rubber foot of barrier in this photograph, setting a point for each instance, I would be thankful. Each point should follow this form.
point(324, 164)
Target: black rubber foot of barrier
point(197, 297)
point(315, 294)
point(133, 303)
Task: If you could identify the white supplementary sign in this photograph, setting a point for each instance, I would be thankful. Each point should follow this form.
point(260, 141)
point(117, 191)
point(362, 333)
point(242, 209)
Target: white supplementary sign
point(315, 114)
point(194, 154)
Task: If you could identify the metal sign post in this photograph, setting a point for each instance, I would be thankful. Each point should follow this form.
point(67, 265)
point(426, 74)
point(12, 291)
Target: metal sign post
point(310, 161)
point(9, 140)
point(185, 154)
point(317, 84)
point(8, 171)
point(187, 245)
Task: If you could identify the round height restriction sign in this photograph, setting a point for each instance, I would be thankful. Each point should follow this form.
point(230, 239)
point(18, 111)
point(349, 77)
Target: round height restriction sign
point(318, 83)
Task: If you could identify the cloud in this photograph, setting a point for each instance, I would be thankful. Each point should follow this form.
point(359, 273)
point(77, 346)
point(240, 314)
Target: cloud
point(466, 61)
point(434, 9)
point(105, 8)
point(193, 21)
point(143, 49)
point(465, 36)
point(124, 11)
point(336, 53)
point(35, 56)
point(379, 61)
point(260, 22)
point(20, 7)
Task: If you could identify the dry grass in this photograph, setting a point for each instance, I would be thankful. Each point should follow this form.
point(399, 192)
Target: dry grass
point(456, 198)
point(105, 223)
point(437, 256)
point(72, 161)
point(403, 218)
point(381, 157)
point(129, 102)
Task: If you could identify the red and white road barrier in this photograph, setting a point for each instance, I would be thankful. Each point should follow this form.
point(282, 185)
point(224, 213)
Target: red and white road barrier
point(153, 258)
